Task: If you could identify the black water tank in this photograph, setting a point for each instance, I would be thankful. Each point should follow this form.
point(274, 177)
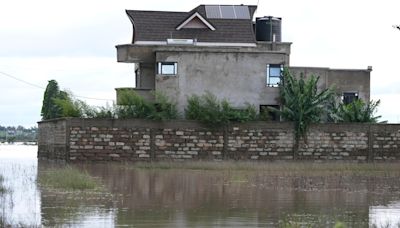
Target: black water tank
point(267, 28)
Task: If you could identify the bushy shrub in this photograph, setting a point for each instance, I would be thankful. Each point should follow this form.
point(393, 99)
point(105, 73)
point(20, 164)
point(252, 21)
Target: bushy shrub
point(249, 113)
point(164, 108)
point(207, 109)
point(194, 108)
point(136, 106)
point(58, 104)
point(72, 107)
point(358, 111)
point(108, 112)
point(213, 112)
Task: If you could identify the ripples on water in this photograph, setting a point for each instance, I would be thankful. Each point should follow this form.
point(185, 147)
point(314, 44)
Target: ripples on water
point(193, 198)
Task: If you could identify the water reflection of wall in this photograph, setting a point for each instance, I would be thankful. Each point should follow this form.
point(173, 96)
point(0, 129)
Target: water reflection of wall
point(208, 197)
point(60, 207)
point(76, 209)
point(180, 198)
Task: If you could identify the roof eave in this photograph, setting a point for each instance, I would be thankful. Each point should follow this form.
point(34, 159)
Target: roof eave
point(133, 26)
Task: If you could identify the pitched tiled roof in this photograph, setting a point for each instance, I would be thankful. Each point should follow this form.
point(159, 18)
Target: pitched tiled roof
point(161, 25)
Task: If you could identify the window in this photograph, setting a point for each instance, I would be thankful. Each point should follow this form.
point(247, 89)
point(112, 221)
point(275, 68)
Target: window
point(274, 72)
point(167, 68)
point(349, 97)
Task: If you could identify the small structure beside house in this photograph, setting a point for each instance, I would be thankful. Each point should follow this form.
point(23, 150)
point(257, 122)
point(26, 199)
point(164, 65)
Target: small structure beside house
point(220, 49)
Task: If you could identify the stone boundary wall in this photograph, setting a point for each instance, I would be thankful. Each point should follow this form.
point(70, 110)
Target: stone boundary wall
point(77, 140)
point(53, 140)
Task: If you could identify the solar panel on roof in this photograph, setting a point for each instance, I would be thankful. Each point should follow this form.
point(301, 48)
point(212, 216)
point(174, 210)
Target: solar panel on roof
point(228, 12)
point(242, 12)
point(213, 12)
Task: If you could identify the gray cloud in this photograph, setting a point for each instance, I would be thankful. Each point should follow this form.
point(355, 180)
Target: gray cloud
point(95, 40)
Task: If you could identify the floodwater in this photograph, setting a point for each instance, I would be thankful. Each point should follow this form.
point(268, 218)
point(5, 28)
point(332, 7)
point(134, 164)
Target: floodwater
point(193, 198)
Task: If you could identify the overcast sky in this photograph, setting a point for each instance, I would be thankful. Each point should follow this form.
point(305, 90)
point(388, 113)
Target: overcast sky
point(73, 42)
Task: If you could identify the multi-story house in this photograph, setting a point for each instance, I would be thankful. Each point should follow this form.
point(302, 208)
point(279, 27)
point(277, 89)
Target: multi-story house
point(220, 49)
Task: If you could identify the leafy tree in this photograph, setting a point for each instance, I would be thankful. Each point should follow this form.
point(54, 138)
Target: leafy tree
point(69, 107)
point(302, 102)
point(358, 111)
point(50, 109)
point(18, 134)
point(58, 104)
point(11, 139)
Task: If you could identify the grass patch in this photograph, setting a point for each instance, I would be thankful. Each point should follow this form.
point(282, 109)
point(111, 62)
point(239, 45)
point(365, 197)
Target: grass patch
point(68, 178)
point(282, 168)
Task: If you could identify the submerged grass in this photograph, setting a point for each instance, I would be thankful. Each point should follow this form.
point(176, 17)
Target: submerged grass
point(282, 168)
point(294, 224)
point(2, 188)
point(68, 178)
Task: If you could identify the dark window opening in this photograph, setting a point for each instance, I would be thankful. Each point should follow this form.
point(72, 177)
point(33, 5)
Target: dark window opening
point(267, 113)
point(274, 73)
point(348, 98)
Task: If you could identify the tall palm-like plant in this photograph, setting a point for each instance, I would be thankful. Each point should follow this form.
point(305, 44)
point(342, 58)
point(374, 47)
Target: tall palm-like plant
point(302, 103)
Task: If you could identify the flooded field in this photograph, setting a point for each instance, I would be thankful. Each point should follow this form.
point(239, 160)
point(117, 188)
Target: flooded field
point(199, 196)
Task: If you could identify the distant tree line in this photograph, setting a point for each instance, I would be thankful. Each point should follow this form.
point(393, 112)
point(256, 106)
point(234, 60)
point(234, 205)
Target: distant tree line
point(12, 134)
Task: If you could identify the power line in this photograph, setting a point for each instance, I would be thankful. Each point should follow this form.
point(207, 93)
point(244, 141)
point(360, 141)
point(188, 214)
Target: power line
point(92, 98)
point(20, 80)
point(40, 87)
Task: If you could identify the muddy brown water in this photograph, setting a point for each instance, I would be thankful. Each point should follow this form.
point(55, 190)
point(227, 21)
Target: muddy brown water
point(194, 198)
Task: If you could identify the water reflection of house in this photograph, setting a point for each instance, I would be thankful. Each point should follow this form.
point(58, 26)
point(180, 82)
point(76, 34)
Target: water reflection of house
point(221, 49)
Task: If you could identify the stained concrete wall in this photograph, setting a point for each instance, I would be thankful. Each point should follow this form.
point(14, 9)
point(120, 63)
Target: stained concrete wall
point(77, 140)
point(341, 80)
point(238, 77)
point(53, 140)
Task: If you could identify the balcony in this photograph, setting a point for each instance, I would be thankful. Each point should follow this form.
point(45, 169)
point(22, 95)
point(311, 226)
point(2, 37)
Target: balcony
point(130, 53)
point(147, 94)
